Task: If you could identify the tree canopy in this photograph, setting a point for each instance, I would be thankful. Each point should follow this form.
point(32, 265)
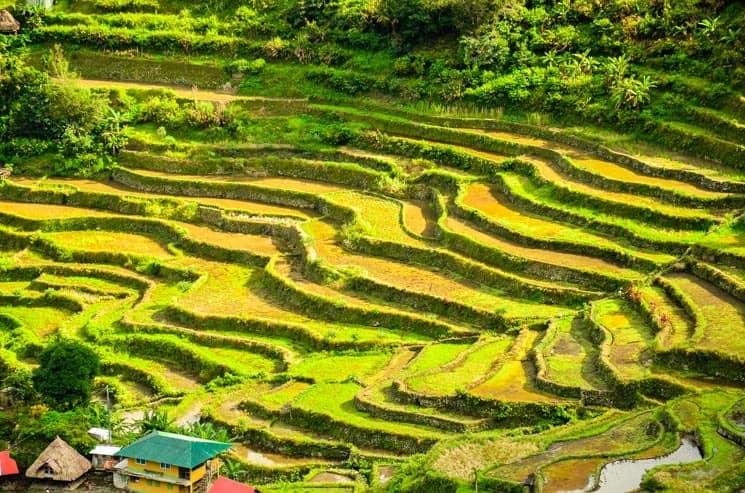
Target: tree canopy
point(65, 374)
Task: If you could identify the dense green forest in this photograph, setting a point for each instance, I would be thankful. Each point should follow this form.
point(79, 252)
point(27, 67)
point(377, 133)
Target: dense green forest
point(627, 64)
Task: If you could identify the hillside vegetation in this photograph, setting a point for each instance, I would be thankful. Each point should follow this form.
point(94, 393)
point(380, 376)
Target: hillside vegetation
point(405, 246)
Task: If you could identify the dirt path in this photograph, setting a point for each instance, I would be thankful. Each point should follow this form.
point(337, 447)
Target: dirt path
point(181, 91)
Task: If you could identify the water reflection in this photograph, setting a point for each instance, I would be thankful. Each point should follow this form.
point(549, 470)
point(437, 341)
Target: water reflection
point(625, 475)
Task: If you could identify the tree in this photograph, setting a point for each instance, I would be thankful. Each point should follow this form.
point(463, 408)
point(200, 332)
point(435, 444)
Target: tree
point(206, 431)
point(408, 20)
point(21, 386)
point(57, 65)
point(616, 69)
point(155, 420)
point(487, 50)
point(632, 93)
point(65, 374)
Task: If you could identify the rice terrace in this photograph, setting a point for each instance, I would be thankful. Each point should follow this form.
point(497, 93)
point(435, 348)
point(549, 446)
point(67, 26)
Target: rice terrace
point(378, 245)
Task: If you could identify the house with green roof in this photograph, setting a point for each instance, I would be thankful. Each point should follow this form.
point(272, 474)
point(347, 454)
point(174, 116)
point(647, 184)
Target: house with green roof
point(167, 462)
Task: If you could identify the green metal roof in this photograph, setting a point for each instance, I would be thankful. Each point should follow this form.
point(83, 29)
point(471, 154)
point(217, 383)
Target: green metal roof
point(170, 448)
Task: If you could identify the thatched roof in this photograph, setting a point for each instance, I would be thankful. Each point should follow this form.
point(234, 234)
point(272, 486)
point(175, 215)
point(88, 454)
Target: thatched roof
point(8, 23)
point(59, 462)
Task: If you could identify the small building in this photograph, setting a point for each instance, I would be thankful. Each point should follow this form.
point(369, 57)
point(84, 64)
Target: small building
point(105, 457)
point(59, 462)
point(225, 485)
point(8, 466)
point(169, 462)
point(102, 435)
point(8, 23)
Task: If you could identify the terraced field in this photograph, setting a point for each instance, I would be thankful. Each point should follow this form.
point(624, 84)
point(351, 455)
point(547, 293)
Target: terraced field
point(530, 313)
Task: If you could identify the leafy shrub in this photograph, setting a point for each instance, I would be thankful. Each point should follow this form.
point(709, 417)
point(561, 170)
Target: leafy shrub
point(161, 110)
point(344, 81)
point(253, 67)
point(489, 50)
point(40, 116)
point(515, 87)
point(125, 5)
point(338, 135)
point(202, 114)
point(276, 48)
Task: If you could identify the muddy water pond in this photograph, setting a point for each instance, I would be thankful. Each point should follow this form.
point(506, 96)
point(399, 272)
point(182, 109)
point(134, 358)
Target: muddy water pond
point(626, 475)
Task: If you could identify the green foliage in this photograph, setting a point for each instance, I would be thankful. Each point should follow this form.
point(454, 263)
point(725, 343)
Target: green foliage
point(36, 427)
point(631, 93)
point(57, 65)
point(416, 475)
point(246, 67)
point(21, 386)
point(155, 420)
point(124, 5)
point(65, 374)
point(39, 116)
point(206, 431)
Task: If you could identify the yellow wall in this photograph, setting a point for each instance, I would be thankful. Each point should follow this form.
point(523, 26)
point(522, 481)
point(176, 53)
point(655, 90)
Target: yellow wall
point(145, 486)
point(149, 486)
point(198, 473)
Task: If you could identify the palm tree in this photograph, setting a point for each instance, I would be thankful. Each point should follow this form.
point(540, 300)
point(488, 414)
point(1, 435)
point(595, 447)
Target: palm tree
point(709, 26)
point(155, 420)
point(615, 69)
point(206, 431)
point(113, 138)
point(584, 62)
point(232, 469)
point(632, 93)
point(730, 36)
point(550, 59)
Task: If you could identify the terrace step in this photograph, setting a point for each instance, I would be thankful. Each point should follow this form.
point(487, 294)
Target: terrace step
point(630, 205)
point(378, 400)
point(722, 123)
point(569, 356)
point(435, 288)
point(514, 379)
point(468, 370)
point(112, 188)
point(487, 208)
point(723, 315)
point(631, 339)
point(319, 296)
point(678, 326)
point(523, 195)
point(593, 273)
point(606, 173)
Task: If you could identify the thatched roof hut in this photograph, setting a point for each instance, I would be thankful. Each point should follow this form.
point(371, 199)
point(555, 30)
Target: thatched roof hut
point(8, 23)
point(59, 462)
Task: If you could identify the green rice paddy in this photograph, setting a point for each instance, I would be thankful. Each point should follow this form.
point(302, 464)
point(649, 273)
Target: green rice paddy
point(492, 323)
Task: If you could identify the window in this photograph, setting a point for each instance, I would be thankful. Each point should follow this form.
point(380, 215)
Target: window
point(165, 466)
point(142, 462)
point(134, 479)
